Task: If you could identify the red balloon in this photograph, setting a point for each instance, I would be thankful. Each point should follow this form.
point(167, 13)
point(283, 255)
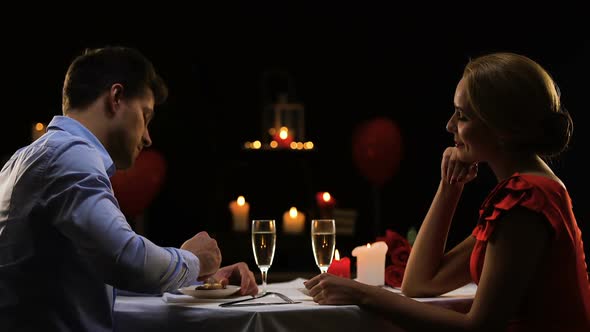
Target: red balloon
point(376, 149)
point(135, 188)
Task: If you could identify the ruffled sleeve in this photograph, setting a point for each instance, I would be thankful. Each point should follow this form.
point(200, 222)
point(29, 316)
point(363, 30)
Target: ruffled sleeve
point(514, 191)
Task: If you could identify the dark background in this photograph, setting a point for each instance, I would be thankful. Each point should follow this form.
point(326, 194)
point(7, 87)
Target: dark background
point(346, 65)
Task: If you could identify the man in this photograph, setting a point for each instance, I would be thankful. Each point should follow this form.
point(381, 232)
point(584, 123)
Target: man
point(64, 242)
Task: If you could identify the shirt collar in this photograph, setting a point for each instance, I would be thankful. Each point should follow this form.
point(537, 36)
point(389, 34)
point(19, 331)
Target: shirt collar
point(75, 128)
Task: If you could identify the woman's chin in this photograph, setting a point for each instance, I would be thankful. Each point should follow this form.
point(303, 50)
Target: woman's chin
point(465, 157)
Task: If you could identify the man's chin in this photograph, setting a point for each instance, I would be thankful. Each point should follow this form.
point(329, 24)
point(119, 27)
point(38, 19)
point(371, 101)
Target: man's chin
point(123, 165)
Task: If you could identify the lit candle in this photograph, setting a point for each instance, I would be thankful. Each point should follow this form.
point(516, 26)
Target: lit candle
point(370, 263)
point(239, 212)
point(340, 267)
point(283, 138)
point(37, 131)
point(325, 203)
point(293, 221)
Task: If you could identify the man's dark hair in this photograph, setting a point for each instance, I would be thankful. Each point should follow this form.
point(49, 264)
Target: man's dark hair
point(96, 70)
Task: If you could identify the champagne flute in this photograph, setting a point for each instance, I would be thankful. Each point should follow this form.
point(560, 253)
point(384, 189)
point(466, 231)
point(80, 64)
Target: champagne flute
point(323, 242)
point(264, 237)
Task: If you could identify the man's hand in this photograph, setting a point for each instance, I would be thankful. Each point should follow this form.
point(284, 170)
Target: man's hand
point(238, 274)
point(206, 249)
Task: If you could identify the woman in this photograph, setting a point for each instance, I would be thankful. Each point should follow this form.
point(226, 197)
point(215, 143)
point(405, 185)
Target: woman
point(526, 241)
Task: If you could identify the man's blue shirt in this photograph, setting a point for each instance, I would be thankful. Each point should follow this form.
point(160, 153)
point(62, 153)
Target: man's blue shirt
point(64, 241)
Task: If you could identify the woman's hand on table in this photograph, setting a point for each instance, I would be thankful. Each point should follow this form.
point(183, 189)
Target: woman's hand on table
point(327, 288)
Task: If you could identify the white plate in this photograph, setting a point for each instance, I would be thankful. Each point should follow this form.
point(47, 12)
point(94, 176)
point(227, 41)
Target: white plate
point(210, 293)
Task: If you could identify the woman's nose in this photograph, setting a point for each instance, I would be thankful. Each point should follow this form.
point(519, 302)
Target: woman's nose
point(451, 126)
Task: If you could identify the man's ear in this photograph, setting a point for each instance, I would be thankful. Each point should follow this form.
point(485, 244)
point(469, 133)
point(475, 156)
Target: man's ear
point(115, 96)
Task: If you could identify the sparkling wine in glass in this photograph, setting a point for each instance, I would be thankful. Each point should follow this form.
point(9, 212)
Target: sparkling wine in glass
point(264, 238)
point(323, 242)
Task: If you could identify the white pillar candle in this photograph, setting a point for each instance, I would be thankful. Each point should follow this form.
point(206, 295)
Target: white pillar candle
point(293, 221)
point(370, 263)
point(240, 210)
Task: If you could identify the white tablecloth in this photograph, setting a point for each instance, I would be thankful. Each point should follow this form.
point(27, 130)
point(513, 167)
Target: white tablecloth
point(173, 312)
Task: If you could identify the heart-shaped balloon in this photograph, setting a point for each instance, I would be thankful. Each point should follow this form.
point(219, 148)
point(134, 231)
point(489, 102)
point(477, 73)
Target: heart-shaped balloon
point(135, 188)
point(376, 149)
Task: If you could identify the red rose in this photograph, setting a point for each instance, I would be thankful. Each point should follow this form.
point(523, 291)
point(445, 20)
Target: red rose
point(394, 275)
point(398, 249)
point(393, 240)
point(399, 256)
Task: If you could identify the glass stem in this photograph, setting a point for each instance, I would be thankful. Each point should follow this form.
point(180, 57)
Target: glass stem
point(264, 274)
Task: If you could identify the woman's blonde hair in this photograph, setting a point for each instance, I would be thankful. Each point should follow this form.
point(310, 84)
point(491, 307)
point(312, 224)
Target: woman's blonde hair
point(518, 99)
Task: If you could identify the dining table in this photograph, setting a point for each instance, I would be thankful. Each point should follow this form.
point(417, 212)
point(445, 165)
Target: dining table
point(181, 312)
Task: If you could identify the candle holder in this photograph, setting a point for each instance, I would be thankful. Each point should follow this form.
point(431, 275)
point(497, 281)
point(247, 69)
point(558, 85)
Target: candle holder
point(340, 266)
point(325, 203)
point(285, 121)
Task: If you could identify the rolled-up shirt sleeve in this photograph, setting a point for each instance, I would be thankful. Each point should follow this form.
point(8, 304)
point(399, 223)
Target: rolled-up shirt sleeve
point(79, 193)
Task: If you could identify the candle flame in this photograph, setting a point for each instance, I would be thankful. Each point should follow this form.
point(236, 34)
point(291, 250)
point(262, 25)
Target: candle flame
point(337, 255)
point(241, 201)
point(326, 197)
point(368, 245)
point(293, 212)
point(284, 133)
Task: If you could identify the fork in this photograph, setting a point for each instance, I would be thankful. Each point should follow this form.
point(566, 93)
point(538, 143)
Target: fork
point(284, 297)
